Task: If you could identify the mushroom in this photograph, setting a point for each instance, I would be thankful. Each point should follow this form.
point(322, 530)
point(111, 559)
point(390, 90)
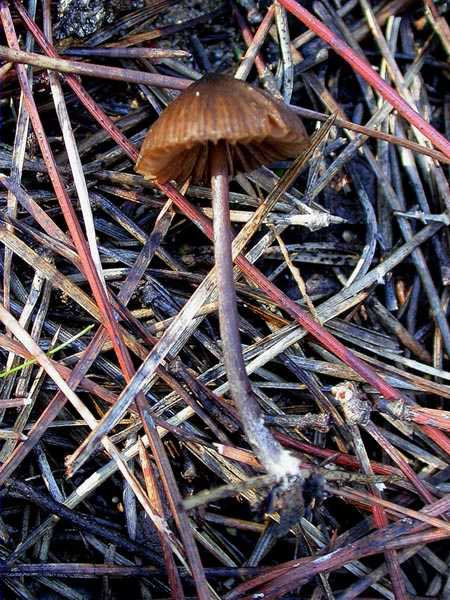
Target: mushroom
point(217, 127)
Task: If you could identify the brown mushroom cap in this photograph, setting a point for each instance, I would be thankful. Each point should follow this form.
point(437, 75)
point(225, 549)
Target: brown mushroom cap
point(256, 130)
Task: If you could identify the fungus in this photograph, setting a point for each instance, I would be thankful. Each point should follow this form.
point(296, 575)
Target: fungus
point(216, 128)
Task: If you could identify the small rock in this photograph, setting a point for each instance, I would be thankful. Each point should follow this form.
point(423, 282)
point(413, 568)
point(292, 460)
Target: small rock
point(81, 18)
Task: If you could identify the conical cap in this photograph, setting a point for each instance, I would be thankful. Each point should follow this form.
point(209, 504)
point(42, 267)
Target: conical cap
point(256, 128)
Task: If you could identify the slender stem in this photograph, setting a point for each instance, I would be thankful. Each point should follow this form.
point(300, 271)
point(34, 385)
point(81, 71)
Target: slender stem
point(273, 457)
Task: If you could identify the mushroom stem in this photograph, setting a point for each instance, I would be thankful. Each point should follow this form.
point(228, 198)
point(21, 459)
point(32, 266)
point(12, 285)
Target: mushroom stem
point(275, 459)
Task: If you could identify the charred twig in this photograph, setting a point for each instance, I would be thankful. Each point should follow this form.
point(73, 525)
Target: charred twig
point(91, 70)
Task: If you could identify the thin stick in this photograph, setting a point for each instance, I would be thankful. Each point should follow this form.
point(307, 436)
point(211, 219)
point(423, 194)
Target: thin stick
point(254, 43)
point(14, 402)
point(284, 43)
point(72, 153)
point(401, 511)
point(93, 70)
point(155, 499)
point(148, 53)
point(375, 133)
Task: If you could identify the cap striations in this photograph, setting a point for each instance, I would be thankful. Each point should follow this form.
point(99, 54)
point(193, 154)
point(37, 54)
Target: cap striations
point(256, 129)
